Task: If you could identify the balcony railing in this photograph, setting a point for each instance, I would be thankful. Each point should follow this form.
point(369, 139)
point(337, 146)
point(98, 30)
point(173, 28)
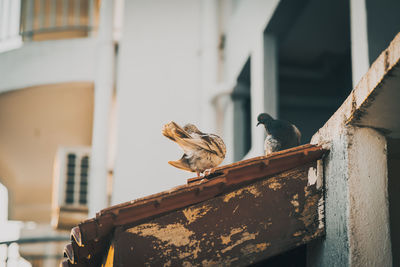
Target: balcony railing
point(10, 251)
point(58, 19)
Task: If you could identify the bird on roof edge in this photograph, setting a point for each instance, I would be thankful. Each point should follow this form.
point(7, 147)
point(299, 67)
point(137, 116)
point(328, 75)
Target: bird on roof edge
point(281, 134)
point(202, 151)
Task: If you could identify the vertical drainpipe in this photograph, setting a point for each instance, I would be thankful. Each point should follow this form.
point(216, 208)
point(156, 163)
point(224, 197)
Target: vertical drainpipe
point(103, 92)
point(359, 39)
point(264, 88)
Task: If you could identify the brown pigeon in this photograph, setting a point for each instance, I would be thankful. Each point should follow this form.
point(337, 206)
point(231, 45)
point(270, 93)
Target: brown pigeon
point(202, 151)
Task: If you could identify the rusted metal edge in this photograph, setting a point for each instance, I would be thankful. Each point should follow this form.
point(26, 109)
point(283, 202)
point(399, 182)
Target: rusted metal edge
point(201, 191)
point(304, 149)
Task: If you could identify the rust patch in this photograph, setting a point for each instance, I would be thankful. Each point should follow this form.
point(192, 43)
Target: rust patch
point(308, 214)
point(192, 214)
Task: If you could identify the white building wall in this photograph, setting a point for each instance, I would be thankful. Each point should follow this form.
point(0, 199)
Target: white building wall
point(47, 62)
point(248, 21)
point(158, 81)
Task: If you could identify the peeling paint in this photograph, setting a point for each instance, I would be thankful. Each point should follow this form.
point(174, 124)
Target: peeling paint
point(275, 186)
point(192, 214)
point(298, 233)
point(245, 237)
point(312, 176)
point(321, 214)
point(173, 234)
point(227, 238)
point(295, 202)
point(255, 248)
point(222, 262)
point(250, 189)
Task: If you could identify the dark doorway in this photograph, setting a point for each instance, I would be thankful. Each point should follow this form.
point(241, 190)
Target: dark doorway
point(314, 60)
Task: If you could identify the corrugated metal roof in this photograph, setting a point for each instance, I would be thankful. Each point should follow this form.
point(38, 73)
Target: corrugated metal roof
point(90, 239)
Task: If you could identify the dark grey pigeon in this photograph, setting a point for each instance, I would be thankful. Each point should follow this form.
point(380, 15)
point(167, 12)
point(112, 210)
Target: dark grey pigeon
point(281, 134)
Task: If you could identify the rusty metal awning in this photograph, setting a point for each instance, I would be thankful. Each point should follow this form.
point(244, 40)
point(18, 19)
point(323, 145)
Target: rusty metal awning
point(241, 209)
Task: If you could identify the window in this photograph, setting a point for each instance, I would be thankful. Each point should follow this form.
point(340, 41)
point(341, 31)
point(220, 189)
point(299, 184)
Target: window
point(242, 113)
point(70, 190)
point(58, 19)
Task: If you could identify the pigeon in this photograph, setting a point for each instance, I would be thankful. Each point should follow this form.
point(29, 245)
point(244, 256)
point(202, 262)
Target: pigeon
point(280, 134)
point(202, 151)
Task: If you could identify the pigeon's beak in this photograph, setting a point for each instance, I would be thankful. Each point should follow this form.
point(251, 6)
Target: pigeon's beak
point(258, 123)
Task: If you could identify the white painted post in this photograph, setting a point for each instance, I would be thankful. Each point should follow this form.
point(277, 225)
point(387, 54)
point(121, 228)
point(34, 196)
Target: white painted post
point(104, 83)
point(271, 75)
point(209, 62)
point(359, 39)
point(264, 88)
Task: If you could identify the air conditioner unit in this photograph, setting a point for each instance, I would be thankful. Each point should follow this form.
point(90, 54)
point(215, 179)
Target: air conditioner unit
point(70, 186)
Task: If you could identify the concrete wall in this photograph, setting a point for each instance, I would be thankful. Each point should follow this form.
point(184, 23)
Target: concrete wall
point(357, 194)
point(47, 62)
point(158, 81)
point(33, 123)
point(369, 234)
point(247, 22)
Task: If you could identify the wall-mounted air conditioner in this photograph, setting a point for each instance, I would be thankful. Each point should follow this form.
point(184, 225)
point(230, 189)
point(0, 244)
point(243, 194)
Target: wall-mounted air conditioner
point(70, 186)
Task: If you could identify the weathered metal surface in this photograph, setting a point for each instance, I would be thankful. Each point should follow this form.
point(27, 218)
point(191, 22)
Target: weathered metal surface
point(91, 238)
point(238, 228)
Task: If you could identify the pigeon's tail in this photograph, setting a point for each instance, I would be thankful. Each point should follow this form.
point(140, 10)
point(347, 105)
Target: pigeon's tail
point(173, 131)
point(181, 164)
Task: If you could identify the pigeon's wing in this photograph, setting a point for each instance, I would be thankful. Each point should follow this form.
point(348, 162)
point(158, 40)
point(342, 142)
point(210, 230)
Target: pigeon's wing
point(183, 164)
point(286, 133)
point(193, 141)
point(173, 131)
point(208, 142)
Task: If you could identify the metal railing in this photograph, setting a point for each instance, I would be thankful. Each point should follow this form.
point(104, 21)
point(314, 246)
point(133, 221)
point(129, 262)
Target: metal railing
point(58, 19)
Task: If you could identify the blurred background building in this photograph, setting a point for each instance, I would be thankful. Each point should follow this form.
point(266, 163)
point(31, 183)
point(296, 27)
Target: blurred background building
point(86, 86)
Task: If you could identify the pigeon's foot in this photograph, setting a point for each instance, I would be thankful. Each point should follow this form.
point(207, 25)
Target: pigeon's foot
point(207, 172)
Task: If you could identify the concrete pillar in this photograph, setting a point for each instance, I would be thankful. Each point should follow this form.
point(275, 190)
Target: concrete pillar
point(359, 39)
point(271, 75)
point(264, 88)
point(369, 230)
point(104, 84)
